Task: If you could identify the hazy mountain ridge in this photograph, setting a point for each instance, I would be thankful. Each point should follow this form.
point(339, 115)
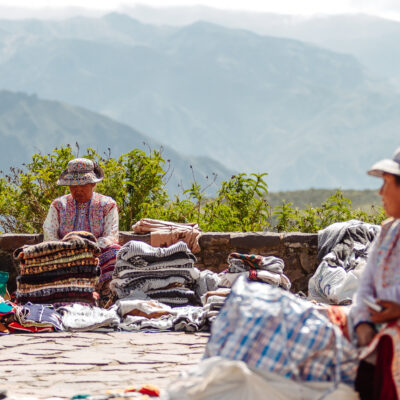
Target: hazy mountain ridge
point(306, 115)
point(29, 124)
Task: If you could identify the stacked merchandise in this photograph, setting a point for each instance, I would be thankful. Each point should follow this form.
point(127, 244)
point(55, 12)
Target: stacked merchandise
point(213, 301)
point(166, 274)
point(256, 268)
point(58, 272)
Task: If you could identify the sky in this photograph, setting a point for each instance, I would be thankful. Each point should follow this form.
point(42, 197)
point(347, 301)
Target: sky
point(384, 8)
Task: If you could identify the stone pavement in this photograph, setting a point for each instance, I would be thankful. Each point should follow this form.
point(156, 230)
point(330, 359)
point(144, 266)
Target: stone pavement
point(64, 364)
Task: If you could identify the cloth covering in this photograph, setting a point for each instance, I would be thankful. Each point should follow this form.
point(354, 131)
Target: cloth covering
point(217, 378)
point(254, 267)
point(343, 248)
point(165, 233)
point(273, 330)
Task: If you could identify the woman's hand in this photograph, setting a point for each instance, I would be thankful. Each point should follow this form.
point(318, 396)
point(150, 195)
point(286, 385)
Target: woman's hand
point(365, 333)
point(390, 312)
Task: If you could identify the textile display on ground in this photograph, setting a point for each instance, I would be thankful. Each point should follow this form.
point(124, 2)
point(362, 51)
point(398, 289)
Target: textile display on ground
point(58, 272)
point(164, 274)
point(343, 248)
point(272, 330)
point(166, 233)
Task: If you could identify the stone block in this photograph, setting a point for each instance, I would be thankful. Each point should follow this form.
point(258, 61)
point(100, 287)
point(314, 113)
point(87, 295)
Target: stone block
point(255, 240)
point(298, 238)
point(125, 237)
point(214, 239)
point(11, 241)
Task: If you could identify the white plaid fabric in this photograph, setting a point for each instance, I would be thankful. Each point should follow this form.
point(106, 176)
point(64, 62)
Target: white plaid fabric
point(273, 330)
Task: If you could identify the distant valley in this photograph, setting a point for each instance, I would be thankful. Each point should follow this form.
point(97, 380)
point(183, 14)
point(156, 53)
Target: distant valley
point(307, 116)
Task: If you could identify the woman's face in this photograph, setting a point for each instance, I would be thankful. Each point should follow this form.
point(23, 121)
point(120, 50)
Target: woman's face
point(82, 193)
point(390, 194)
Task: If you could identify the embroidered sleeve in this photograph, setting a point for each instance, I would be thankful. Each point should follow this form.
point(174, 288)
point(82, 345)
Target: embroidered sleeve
point(51, 225)
point(111, 228)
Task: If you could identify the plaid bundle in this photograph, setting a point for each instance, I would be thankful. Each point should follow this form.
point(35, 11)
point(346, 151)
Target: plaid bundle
point(272, 330)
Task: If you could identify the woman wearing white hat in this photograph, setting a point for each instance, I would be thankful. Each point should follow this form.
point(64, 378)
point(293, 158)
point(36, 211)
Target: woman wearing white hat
point(377, 300)
point(85, 210)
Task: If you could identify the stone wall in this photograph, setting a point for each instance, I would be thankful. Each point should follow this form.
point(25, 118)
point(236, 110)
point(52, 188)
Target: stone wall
point(298, 250)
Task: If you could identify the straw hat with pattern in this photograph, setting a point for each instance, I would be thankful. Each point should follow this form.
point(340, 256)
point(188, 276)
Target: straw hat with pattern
point(81, 171)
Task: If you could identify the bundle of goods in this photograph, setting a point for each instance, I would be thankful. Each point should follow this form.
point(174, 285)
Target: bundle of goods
point(166, 233)
point(256, 268)
point(58, 272)
point(213, 301)
point(166, 274)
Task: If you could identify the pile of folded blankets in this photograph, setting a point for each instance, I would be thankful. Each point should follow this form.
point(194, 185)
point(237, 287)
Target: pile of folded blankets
point(167, 275)
point(267, 269)
point(59, 272)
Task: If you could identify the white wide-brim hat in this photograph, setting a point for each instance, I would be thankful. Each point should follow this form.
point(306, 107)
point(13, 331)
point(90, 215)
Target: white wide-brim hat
point(80, 171)
point(388, 166)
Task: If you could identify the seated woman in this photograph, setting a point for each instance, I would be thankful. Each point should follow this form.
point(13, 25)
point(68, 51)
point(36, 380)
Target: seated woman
point(85, 210)
point(379, 372)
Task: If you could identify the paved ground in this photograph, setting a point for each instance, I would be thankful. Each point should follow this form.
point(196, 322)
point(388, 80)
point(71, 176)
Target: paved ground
point(65, 364)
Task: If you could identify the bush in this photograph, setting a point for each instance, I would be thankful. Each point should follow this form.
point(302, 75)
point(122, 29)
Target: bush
point(137, 182)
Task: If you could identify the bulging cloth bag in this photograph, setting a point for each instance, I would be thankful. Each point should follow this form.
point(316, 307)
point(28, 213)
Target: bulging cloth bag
point(274, 331)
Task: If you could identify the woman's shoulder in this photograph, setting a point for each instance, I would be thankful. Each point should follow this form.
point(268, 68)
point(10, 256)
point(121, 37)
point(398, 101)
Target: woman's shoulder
point(103, 199)
point(62, 200)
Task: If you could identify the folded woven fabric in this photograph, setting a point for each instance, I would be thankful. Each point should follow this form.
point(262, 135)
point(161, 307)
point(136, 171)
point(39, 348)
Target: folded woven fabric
point(165, 233)
point(143, 308)
point(57, 258)
point(63, 283)
point(39, 269)
point(79, 271)
point(173, 259)
point(79, 317)
point(150, 253)
point(175, 297)
point(73, 296)
point(38, 315)
point(243, 262)
point(51, 247)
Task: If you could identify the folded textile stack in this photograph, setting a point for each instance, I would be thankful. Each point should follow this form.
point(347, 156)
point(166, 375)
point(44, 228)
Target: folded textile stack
point(164, 274)
point(153, 315)
point(256, 268)
point(213, 301)
point(165, 233)
point(58, 272)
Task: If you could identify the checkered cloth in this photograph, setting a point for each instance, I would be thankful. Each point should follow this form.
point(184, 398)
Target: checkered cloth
point(273, 330)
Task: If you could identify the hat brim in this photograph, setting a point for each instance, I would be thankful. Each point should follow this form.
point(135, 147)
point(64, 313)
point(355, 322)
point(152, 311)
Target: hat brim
point(384, 166)
point(76, 179)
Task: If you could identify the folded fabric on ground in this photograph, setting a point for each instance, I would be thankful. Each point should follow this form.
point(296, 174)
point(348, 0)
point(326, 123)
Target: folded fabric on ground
point(343, 248)
point(166, 233)
point(272, 330)
point(213, 301)
point(58, 272)
point(255, 267)
point(153, 315)
point(80, 317)
point(217, 378)
point(165, 274)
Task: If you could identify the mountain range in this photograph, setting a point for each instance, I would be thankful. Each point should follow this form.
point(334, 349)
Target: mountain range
point(307, 115)
point(29, 125)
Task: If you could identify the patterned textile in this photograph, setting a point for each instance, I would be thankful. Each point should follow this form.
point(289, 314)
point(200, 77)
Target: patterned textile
point(63, 271)
point(256, 268)
point(252, 261)
point(98, 216)
point(81, 171)
point(40, 315)
point(273, 330)
point(166, 233)
point(381, 277)
point(54, 247)
point(164, 274)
